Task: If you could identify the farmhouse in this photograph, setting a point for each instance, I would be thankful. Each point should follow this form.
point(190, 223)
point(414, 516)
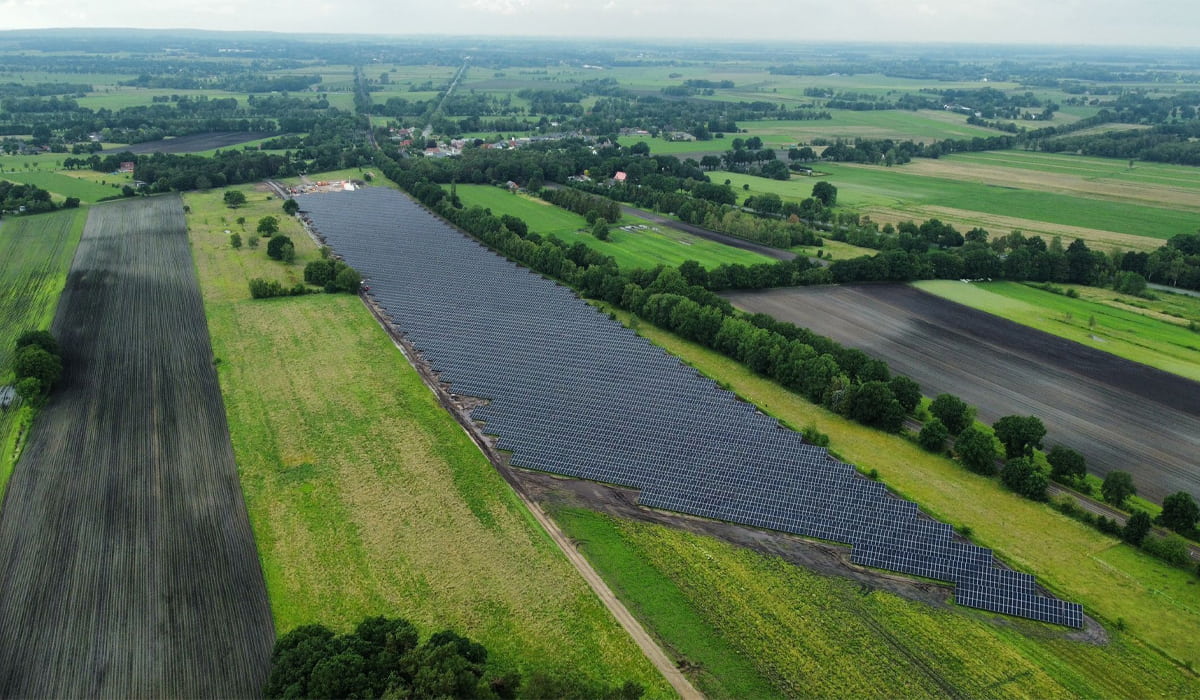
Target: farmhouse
point(126, 167)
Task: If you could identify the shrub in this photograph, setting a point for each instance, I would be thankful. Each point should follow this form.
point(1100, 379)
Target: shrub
point(976, 451)
point(933, 436)
point(1117, 488)
point(275, 246)
point(1020, 475)
point(235, 240)
point(1136, 528)
point(952, 411)
point(1172, 549)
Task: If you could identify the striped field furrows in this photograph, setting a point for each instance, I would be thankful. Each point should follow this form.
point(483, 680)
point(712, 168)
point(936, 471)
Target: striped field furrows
point(127, 564)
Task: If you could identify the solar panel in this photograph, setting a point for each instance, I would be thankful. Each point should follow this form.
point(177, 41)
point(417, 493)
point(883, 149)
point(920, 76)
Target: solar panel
point(575, 393)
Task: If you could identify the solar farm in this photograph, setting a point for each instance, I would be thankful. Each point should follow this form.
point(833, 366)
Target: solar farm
point(575, 393)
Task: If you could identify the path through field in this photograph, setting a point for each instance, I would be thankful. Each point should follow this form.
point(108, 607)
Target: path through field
point(1120, 414)
point(129, 567)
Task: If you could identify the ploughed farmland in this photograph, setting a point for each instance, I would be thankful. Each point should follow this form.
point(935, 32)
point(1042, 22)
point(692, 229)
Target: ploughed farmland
point(129, 565)
point(1120, 414)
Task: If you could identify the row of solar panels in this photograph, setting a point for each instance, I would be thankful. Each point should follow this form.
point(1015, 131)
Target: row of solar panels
point(575, 393)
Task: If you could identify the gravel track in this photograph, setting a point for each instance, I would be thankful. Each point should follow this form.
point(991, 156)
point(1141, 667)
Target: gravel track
point(1121, 415)
point(129, 566)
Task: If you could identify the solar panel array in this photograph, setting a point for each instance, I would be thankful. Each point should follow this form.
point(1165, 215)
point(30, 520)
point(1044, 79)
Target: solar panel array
point(575, 393)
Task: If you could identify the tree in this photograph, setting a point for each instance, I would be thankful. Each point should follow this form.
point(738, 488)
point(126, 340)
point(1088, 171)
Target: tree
point(275, 246)
point(268, 226)
point(235, 240)
point(954, 413)
point(1117, 487)
point(976, 450)
point(43, 339)
point(1066, 465)
point(234, 198)
point(348, 280)
point(1020, 475)
point(873, 404)
point(710, 162)
point(1180, 512)
point(29, 389)
point(287, 253)
point(933, 435)
point(290, 207)
point(825, 193)
point(33, 361)
point(1019, 435)
point(641, 148)
point(1136, 528)
point(906, 391)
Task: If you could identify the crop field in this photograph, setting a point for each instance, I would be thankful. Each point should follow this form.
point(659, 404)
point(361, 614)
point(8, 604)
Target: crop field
point(654, 245)
point(732, 615)
point(1112, 580)
point(1121, 415)
point(359, 483)
point(35, 253)
point(1129, 332)
point(62, 185)
point(132, 569)
point(119, 97)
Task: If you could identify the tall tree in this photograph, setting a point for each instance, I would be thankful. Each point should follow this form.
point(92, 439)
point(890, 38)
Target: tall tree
point(954, 413)
point(1180, 512)
point(1019, 435)
point(1117, 488)
point(976, 450)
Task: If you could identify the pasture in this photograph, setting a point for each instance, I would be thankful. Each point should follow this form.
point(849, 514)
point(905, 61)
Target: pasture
point(730, 613)
point(654, 245)
point(132, 569)
point(35, 253)
point(1152, 599)
point(360, 485)
point(1128, 332)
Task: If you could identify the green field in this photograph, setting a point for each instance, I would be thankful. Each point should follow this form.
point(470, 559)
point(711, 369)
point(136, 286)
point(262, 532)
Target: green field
point(755, 626)
point(920, 197)
point(365, 496)
point(1154, 601)
point(35, 255)
point(63, 185)
point(1093, 169)
point(638, 248)
point(1125, 333)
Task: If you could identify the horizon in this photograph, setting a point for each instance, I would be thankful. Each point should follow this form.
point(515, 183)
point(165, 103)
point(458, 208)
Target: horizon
point(1162, 25)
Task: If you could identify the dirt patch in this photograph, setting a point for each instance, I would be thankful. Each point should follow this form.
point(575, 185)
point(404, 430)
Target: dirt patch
point(1120, 414)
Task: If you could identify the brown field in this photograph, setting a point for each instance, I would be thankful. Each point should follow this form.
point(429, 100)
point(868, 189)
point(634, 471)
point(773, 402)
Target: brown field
point(191, 143)
point(1121, 415)
point(130, 566)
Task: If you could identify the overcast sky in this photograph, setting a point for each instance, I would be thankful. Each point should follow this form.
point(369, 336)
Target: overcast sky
point(1146, 23)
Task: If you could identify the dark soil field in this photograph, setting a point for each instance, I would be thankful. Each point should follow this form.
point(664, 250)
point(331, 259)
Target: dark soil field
point(1121, 415)
point(191, 143)
point(129, 567)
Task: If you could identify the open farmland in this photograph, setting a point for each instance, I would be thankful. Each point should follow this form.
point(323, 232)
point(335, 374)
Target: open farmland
point(63, 185)
point(130, 566)
point(1101, 323)
point(1121, 415)
point(35, 253)
point(657, 244)
point(366, 497)
point(1116, 582)
point(734, 616)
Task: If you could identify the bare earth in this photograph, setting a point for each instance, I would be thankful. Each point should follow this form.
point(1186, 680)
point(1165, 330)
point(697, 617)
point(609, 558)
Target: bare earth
point(1121, 415)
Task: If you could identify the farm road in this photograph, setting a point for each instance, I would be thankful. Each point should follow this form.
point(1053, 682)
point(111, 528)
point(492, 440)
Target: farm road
point(129, 566)
point(1121, 415)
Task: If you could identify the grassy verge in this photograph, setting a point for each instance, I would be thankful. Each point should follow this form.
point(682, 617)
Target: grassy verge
point(643, 247)
point(366, 498)
point(1124, 332)
point(749, 625)
point(1066, 556)
point(35, 257)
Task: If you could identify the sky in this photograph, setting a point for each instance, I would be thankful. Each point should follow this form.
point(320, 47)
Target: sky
point(1163, 23)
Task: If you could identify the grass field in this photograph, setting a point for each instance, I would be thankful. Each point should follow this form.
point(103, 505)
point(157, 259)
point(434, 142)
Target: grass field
point(35, 254)
point(130, 564)
point(1153, 600)
point(750, 625)
point(63, 185)
point(906, 192)
point(640, 248)
point(366, 497)
point(1131, 334)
